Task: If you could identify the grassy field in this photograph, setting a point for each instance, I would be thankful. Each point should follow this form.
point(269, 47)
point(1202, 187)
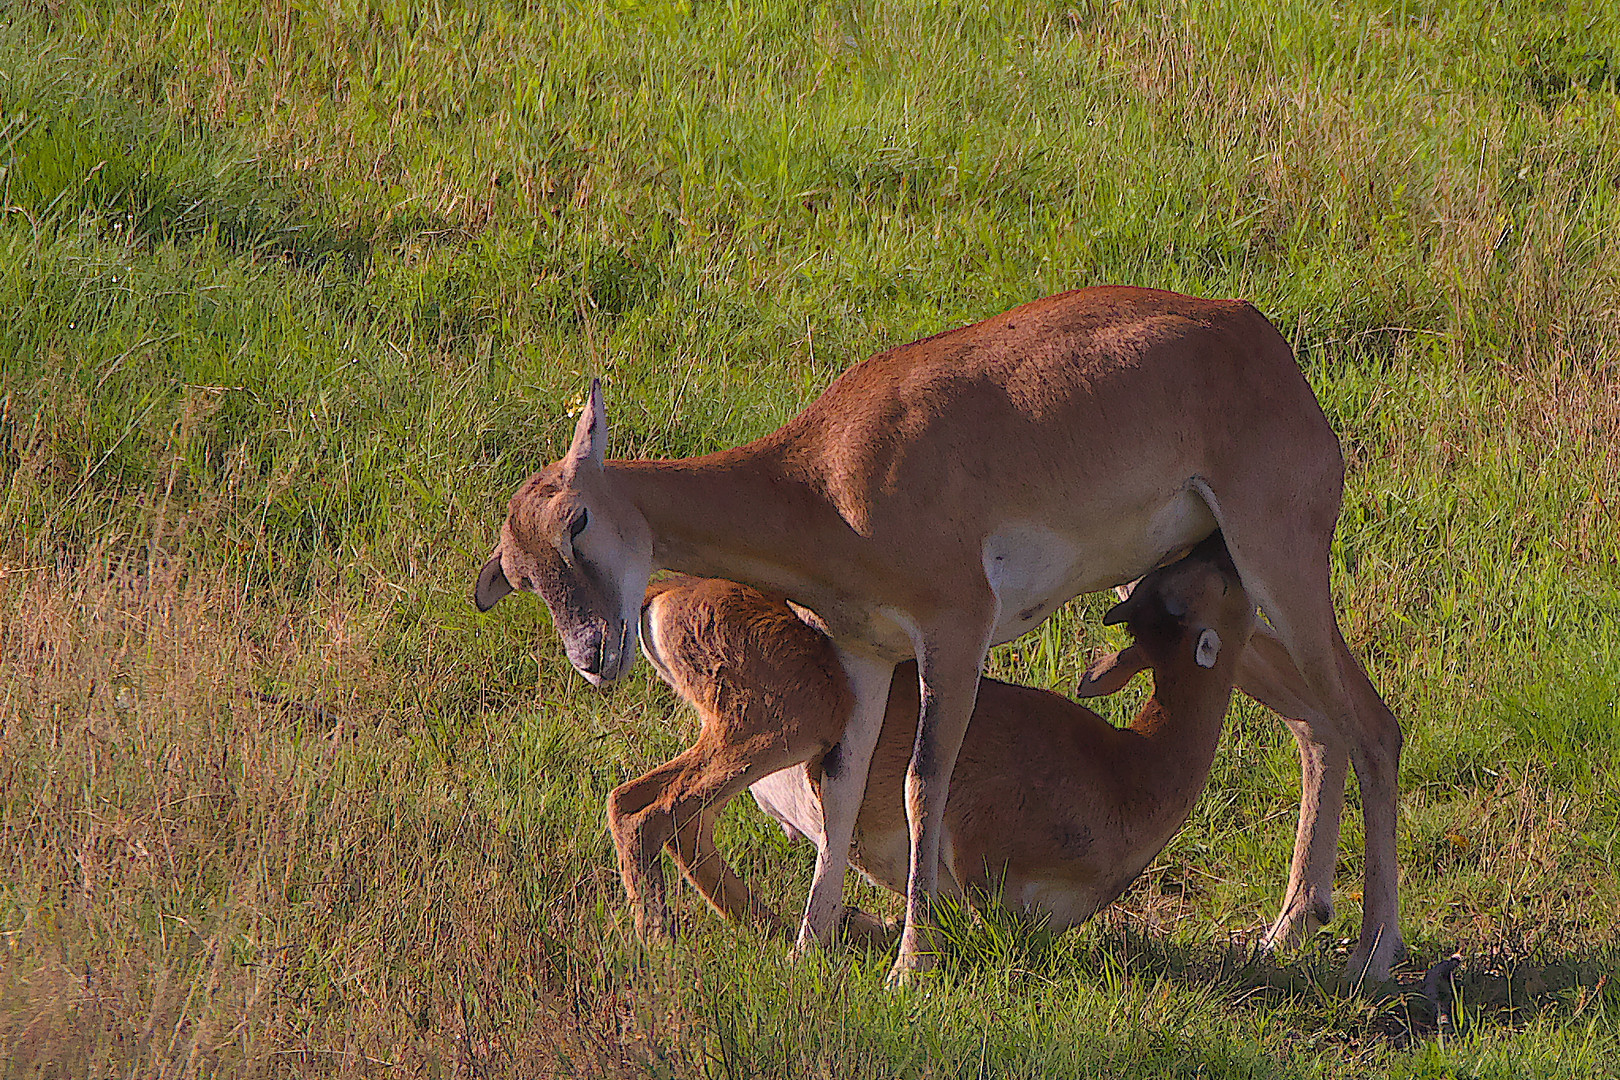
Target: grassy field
point(297, 293)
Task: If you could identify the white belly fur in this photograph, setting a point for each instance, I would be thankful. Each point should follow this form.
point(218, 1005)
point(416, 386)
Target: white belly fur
point(1034, 569)
point(1031, 569)
point(787, 797)
point(1057, 904)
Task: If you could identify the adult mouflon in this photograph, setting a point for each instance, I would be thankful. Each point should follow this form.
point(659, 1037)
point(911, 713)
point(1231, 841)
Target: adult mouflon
point(950, 494)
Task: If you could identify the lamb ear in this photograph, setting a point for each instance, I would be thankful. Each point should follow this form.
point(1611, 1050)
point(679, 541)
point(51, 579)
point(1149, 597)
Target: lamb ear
point(590, 434)
point(492, 585)
point(1110, 674)
point(1208, 648)
point(1127, 607)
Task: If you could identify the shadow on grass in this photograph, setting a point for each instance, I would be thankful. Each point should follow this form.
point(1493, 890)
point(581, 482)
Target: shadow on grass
point(1506, 986)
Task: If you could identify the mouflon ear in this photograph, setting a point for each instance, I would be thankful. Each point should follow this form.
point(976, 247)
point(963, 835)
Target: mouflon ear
point(810, 619)
point(492, 584)
point(1207, 649)
point(1128, 607)
point(590, 434)
point(1110, 674)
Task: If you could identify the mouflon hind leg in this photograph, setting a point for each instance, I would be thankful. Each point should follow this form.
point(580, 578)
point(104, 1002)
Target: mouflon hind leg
point(667, 807)
point(1281, 549)
point(1267, 674)
point(698, 857)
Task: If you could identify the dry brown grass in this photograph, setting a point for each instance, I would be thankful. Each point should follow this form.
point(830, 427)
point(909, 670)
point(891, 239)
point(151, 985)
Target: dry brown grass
point(204, 877)
point(200, 879)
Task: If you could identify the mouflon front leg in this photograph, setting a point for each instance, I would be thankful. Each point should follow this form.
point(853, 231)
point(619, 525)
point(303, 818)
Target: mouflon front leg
point(843, 783)
point(949, 658)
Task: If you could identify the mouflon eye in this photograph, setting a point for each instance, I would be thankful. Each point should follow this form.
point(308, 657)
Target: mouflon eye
point(577, 525)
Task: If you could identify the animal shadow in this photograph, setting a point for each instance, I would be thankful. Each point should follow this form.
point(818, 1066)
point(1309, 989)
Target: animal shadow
point(1433, 993)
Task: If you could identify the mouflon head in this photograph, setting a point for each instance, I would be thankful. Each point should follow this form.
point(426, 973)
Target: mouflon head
point(586, 550)
point(1193, 609)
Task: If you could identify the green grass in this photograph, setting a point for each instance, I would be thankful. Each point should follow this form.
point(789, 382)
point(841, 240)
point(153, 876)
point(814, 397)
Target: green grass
point(296, 294)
